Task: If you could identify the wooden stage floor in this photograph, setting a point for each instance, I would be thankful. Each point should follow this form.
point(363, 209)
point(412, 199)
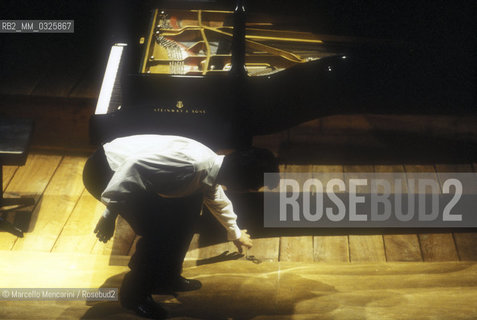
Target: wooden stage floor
point(404, 274)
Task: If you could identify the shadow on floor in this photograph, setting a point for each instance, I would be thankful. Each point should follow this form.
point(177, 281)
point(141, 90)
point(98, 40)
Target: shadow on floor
point(230, 290)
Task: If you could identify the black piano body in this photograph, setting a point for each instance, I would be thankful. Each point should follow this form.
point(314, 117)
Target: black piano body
point(178, 80)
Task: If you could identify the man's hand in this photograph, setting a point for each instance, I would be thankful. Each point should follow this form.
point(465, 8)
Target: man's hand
point(244, 240)
point(105, 228)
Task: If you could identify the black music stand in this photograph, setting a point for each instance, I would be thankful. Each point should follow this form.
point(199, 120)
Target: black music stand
point(15, 136)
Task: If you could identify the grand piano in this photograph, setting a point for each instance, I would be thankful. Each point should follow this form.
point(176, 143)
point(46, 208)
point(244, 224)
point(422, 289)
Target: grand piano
point(224, 76)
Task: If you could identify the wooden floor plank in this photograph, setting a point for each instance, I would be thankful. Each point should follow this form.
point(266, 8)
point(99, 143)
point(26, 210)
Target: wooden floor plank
point(30, 180)
point(8, 172)
point(438, 246)
point(364, 248)
point(466, 242)
point(77, 234)
point(297, 248)
point(265, 249)
point(399, 247)
point(332, 248)
point(57, 203)
point(402, 247)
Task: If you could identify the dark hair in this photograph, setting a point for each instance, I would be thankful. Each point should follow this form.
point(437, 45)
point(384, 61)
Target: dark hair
point(245, 168)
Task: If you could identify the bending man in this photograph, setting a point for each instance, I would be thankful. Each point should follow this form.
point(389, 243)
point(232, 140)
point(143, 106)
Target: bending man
point(158, 184)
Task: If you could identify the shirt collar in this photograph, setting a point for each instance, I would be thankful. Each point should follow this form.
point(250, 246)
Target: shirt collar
point(214, 171)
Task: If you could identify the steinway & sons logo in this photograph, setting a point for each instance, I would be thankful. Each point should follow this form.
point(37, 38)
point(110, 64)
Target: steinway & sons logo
point(180, 108)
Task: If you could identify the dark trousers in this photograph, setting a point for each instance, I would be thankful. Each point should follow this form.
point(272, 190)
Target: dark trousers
point(166, 227)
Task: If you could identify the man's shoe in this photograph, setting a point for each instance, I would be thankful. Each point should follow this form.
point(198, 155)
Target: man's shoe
point(147, 308)
point(181, 284)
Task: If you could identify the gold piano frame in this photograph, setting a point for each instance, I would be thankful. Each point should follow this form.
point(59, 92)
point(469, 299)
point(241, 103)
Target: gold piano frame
point(260, 53)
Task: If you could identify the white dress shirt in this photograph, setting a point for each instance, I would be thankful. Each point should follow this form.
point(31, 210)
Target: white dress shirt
point(170, 166)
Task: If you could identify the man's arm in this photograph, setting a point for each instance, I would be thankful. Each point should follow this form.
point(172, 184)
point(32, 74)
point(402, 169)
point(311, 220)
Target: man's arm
point(126, 181)
point(243, 241)
point(221, 207)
